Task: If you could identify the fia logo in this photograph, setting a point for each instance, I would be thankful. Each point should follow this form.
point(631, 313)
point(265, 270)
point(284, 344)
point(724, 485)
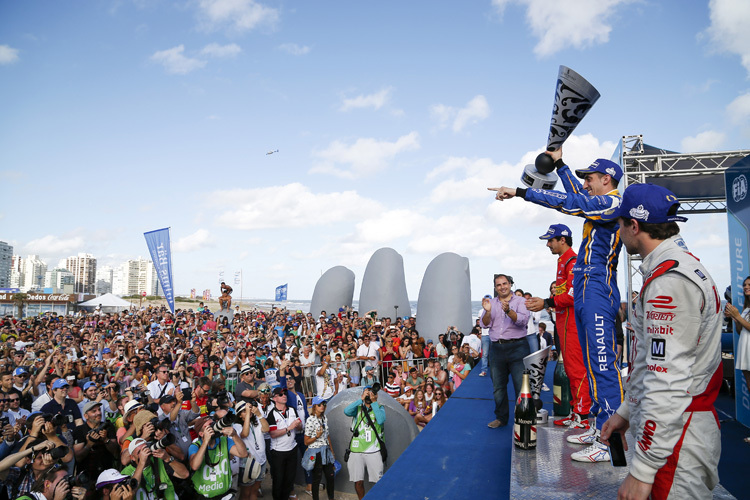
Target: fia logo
point(739, 188)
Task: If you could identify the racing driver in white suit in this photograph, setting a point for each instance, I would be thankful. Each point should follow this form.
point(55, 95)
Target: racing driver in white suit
point(676, 369)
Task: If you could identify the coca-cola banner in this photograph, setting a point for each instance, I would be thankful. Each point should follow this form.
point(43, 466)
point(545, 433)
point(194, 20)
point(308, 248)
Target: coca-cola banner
point(161, 255)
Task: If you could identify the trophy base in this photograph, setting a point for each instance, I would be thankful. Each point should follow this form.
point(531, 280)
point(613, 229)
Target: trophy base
point(534, 179)
point(542, 416)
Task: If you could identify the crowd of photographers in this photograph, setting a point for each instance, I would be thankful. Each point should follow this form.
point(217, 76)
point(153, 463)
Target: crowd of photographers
point(146, 404)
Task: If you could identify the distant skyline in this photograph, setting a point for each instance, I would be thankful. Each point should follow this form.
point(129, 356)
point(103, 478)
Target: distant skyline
point(390, 120)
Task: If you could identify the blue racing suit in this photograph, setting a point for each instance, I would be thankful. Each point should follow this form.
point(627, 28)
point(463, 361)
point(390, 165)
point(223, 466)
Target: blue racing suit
point(596, 297)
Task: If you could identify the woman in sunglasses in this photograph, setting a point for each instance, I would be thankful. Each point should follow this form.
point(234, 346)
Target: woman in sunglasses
point(319, 457)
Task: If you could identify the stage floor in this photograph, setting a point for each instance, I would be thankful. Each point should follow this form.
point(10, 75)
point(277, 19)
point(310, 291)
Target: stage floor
point(458, 457)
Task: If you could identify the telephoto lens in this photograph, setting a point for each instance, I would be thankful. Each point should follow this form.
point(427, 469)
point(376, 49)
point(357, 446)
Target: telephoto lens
point(162, 443)
point(224, 422)
point(59, 452)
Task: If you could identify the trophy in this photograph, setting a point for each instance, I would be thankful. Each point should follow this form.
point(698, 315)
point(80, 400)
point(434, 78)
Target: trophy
point(574, 97)
point(536, 363)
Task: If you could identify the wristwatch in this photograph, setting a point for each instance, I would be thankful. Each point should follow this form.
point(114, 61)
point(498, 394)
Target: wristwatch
point(171, 459)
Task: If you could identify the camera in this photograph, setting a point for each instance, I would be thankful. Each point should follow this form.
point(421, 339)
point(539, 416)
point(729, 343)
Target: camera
point(107, 428)
point(58, 452)
point(4, 421)
point(224, 422)
point(162, 443)
point(160, 425)
point(59, 419)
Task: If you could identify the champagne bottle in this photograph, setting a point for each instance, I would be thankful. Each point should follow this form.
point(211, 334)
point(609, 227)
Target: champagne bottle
point(524, 429)
point(561, 390)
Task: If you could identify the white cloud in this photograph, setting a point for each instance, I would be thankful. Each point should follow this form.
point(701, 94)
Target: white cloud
point(8, 55)
point(199, 239)
point(54, 245)
point(175, 62)
point(216, 50)
point(739, 109)
point(469, 178)
point(729, 28)
point(475, 110)
point(375, 101)
point(710, 140)
point(291, 205)
point(566, 23)
point(295, 49)
point(366, 156)
point(236, 15)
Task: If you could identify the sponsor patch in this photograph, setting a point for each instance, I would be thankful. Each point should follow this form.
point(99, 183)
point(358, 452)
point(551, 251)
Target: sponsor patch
point(639, 213)
point(662, 302)
point(700, 274)
point(660, 330)
point(656, 368)
point(659, 316)
point(658, 349)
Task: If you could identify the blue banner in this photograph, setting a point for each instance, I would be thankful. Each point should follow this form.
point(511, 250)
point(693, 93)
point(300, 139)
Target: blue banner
point(161, 255)
point(738, 218)
point(281, 292)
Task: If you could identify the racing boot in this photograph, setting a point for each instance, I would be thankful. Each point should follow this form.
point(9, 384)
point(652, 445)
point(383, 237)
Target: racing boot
point(596, 452)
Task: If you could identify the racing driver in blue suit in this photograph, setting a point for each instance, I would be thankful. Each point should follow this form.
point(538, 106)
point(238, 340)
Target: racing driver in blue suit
point(595, 294)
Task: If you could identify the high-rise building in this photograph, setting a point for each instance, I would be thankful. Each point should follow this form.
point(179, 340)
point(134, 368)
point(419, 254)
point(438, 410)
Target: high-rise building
point(59, 280)
point(104, 276)
point(134, 277)
point(83, 267)
point(6, 263)
point(27, 273)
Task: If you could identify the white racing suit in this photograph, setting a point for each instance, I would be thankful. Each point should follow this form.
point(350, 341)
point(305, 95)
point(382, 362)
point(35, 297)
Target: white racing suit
point(675, 376)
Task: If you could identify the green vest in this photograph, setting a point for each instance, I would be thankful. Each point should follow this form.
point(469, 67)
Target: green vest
point(147, 488)
point(365, 441)
point(213, 481)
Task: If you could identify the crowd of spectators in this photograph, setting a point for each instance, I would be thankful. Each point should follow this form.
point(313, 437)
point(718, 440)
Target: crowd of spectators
point(147, 404)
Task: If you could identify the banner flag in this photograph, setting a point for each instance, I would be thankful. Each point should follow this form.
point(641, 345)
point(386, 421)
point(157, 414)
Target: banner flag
point(192, 293)
point(281, 292)
point(161, 255)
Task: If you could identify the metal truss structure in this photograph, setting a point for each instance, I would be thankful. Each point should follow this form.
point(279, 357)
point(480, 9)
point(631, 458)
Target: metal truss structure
point(697, 179)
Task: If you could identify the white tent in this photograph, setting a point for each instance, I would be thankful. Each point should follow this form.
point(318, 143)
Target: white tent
point(109, 303)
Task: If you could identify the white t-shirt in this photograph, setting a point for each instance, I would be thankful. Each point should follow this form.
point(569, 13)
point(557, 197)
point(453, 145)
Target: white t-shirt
point(326, 389)
point(282, 420)
point(473, 341)
point(156, 389)
point(371, 351)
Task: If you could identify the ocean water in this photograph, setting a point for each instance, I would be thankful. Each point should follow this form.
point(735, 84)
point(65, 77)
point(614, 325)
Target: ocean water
point(304, 305)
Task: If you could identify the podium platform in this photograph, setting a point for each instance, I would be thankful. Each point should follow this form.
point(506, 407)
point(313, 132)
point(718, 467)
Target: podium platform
point(458, 457)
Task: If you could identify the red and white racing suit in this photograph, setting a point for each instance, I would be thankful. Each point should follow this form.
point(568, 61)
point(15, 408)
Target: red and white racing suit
point(566, 330)
point(675, 375)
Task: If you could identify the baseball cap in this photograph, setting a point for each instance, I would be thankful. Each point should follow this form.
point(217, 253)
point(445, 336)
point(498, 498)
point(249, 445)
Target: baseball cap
point(61, 382)
point(166, 399)
point(108, 477)
point(19, 371)
point(602, 166)
point(135, 444)
point(87, 385)
point(106, 350)
point(230, 349)
point(649, 203)
point(317, 400)
point(556, 231)
point(277, 391)
point(91, 404)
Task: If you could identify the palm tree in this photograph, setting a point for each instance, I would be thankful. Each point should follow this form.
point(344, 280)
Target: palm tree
point(20, 299)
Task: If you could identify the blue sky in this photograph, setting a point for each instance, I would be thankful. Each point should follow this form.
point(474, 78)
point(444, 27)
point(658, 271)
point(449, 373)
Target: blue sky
point(391, 118)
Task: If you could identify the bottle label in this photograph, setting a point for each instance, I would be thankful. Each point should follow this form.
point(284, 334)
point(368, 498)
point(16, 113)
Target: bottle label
point(524, 436)
point(557, 394)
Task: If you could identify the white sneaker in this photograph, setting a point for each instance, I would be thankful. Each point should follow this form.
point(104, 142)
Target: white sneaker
point(597, 452)
point(544, 387)
point(587, 437)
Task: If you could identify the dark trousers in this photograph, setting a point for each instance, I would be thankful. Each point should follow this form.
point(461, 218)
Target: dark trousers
point(317, 474)
point(283, 469)
point(506, 359)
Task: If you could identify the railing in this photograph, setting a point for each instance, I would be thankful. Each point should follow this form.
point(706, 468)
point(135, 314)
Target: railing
point(352, 367)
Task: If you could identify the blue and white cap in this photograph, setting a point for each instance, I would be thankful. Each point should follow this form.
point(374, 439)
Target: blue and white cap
point(603, 167)
point(649, 203)
point(556, 231)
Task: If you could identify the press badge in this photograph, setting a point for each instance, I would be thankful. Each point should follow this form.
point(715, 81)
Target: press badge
point(368, 435)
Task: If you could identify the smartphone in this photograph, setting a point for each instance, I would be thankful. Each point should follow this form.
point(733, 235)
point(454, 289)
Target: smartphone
point(617, 451)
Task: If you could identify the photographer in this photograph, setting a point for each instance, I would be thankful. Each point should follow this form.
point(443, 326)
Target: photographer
point(152, 470)
point(94, 443)
point(251, 427)
point(365, 446)
point(34, 461)
point(210, 455)
point(111, 485)
point(177, 421)
point(53, 485)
